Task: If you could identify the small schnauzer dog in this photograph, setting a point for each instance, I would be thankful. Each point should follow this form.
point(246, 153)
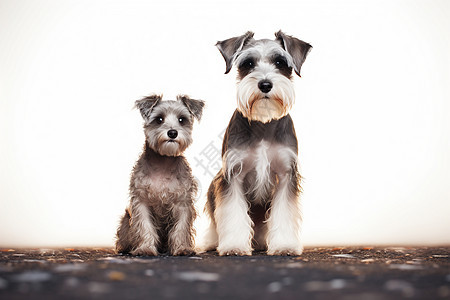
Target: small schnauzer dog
point(162, 188)
point(253, 202)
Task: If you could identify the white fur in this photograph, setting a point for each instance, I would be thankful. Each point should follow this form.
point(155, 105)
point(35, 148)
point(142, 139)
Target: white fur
point(262, 167)
point(268, 109)
point(210, 239)
point(234, 225)
point(265, 110)
point(285, 215)
point(284, 222)
point(233, 162)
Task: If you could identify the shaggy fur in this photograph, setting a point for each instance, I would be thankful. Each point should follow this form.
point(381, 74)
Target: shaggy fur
point(162, 189)
point(253, 202)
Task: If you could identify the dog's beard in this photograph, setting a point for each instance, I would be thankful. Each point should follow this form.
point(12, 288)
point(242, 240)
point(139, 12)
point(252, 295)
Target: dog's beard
point(168, 147)
point(265, 107)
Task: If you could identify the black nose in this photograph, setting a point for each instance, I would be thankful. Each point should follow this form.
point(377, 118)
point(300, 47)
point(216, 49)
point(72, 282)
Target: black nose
point(265, 86)
point(172, 133)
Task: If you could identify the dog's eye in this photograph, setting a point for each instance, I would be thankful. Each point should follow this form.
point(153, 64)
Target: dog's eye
point(159, 120)
point(248, 63)
point(280, 62)
point(181, 120)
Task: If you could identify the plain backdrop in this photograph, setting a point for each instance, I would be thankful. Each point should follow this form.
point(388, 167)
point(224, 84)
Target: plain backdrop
point(372, 112)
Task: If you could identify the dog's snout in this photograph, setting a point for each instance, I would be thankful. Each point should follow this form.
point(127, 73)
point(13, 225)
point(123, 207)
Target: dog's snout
point(172, 133)
point(265, 86)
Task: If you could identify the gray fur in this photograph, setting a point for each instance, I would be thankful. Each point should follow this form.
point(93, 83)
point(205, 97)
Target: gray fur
point(298, 49)
point(146, 104)
point(253, 201)
point(195, 107)
point(228, 48)
point(161, 212)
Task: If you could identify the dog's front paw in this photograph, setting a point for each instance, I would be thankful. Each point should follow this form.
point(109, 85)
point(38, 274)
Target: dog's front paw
point(183, 252)
point(145, 251)
point(291, 251)
point(234, 252)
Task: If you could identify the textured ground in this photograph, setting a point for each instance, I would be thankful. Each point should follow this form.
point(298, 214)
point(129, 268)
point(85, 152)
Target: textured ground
point(320, 273)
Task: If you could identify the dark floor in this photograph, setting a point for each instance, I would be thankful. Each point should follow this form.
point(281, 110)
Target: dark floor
point(320, 273)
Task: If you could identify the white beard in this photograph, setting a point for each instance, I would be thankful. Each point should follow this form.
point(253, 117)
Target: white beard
point(258, 106)
point(266, 110)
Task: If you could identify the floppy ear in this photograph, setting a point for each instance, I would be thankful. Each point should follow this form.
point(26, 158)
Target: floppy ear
point(229, 47)
point(195, 107)
point(145, 105)
point(296, 48)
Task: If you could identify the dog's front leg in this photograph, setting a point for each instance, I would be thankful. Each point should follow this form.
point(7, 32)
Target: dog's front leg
point(234, 225)
point(181, 236)
point(285, 217)
point(145, 233)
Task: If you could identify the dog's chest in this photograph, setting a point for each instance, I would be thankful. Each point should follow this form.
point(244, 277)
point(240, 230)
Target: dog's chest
point(162, 184)
point(166, 186)
point(261, 161)
point(261, 167)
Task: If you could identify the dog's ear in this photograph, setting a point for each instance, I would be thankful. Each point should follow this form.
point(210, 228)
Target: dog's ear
point(229, 47)
point(195, 107)
point(145, 105)
point(296, 48)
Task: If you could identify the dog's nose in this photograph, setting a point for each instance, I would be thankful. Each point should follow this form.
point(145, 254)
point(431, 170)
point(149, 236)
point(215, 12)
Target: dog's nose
point(172, 133)
point(265, 86)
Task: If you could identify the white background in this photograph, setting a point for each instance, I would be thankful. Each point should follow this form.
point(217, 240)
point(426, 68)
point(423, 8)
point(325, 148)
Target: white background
point(372, 112)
